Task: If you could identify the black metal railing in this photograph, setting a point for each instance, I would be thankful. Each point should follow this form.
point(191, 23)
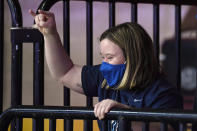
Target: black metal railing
point(16, 63)
point(28, 35)
point(55, 112)
point(68, 124)
point(174, 2)
point(88, 124)
point(1, 52)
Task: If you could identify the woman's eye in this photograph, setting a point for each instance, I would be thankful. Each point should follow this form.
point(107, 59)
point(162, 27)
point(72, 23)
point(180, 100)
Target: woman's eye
point(109, 58)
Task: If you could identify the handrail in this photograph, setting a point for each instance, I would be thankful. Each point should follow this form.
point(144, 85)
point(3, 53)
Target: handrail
point(47, 4)
point(16, 13)
point(62, 112)
point(181, 2)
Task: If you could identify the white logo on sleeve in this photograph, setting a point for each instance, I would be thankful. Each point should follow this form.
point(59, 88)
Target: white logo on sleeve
point(137, 100)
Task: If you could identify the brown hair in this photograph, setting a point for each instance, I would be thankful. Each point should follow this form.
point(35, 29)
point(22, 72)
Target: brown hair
point(137, 46)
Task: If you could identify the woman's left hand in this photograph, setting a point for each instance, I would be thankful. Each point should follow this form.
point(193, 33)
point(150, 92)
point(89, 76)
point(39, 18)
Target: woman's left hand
point(105, 106)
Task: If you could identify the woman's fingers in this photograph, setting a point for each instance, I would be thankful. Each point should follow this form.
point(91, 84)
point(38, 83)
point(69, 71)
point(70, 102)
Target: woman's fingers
point(32, 12)
point(102, 113)
point(44, 21)
point(107, 109)
point(42, 24)
point(40, 20)
point(102, 108)
point(95, 109)
point(36, 19)
point(42, 16)
point(47, 13)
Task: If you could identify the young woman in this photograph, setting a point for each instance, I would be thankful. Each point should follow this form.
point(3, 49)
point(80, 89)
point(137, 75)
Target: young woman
point(129, 76)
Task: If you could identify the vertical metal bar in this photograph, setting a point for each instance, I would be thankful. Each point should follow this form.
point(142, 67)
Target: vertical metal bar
point(124, 125)
point(178, 43)
point(104, 125)
point(112, 13)
point(16, 13)
point(134, 12)
point(183, 127)
point(164, 127)
point(16, 63)
point(194, 125)
point(16, 81)
point(66, 22)
point(156, 35)
point(38, 82)
point(89, 55)
point(156, 29)
point(52, 125)
point(46, 5)
point(178, 48)
point(1, 52)
point(145, 126)
point(68, 124)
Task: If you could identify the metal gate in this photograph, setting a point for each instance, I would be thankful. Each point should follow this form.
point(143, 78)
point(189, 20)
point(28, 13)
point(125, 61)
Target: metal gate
point(19, 35)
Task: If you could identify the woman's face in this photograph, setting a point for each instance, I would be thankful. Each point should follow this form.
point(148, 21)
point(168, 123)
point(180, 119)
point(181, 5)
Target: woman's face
point(111, 53)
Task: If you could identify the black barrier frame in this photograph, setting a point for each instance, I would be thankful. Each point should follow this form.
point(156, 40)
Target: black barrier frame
point(134, 12)
point(68, 124)
point(178, 44)
point(171, 2)
point(29, 35)
point(1, 52)
point(55, 112)
point(16, 63)
point(18, 36)
point(47, 4)
point(88, 124)
point(112, 13)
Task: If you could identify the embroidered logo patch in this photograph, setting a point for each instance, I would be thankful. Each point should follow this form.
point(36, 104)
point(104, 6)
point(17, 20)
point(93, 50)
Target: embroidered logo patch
point(137, 100)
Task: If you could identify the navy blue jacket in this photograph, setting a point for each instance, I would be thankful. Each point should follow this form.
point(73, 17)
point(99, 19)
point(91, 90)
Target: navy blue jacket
point(158, 95)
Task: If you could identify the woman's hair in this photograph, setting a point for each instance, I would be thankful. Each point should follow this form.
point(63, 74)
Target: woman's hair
point(142, 66)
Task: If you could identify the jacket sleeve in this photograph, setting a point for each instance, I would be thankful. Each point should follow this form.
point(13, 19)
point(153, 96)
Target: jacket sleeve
point(91, 79)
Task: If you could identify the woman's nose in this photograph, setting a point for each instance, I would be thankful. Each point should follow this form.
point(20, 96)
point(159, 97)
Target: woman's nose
point(106, 60)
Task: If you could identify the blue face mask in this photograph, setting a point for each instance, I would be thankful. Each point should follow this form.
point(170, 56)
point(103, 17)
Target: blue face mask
point(112, 73)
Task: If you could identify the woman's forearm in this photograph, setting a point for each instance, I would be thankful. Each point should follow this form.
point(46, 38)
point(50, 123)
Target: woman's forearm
point(120, 105)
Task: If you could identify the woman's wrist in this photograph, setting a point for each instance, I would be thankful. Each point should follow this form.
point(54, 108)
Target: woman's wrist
point(53, 34)
point(120, 105)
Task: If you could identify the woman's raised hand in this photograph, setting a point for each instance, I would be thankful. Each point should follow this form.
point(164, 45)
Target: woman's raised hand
point(44, 21)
